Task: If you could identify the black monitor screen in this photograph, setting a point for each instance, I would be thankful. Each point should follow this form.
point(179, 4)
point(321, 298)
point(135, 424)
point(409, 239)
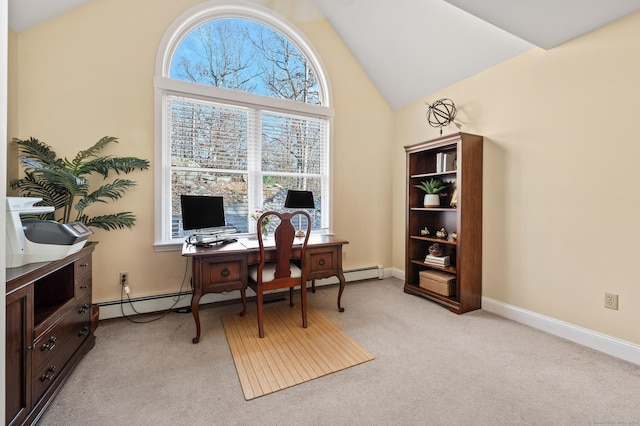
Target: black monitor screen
point(201, 212)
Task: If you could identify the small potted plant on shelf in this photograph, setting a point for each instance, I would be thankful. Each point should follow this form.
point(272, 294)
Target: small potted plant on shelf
point(432, 189)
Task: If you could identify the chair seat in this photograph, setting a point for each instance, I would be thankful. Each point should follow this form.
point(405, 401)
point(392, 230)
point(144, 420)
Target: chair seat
point(269, 272)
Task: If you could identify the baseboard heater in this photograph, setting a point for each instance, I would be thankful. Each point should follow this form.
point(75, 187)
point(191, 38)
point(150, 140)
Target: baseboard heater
point(162, 302)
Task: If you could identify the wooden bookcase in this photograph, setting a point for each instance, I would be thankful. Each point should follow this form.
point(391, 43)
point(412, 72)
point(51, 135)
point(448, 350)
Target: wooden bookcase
point(465, 219)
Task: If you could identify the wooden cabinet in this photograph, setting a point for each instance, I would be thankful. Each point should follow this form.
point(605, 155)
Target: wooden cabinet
point(48, 331)
point(464, 217)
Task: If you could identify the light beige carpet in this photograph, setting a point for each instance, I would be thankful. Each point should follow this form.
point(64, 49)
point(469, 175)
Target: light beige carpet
point(289, 354)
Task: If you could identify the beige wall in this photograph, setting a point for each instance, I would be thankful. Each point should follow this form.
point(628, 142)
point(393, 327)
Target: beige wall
point(561, 206)
point(12, 103)
point(89, 73)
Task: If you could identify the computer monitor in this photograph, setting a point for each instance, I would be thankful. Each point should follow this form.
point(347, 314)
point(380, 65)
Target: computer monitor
point(201, 212)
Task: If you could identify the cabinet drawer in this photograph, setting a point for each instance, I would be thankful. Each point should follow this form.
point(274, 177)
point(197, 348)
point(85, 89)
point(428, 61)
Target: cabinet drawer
point(48, 372)
point(321, 263)
point(82, 267)
point(223, 274)
point(83, 288)
point(49, 344)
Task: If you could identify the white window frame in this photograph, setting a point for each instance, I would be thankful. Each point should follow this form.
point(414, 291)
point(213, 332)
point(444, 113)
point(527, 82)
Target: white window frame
point(164, 86)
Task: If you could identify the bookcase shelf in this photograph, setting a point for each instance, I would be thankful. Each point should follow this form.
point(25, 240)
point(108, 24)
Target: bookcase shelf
point(438, 175)
point(434, 240)
point(450, 269)
point(465, 219)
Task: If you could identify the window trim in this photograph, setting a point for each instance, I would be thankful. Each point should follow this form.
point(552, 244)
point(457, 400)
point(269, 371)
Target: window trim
point(163, 86)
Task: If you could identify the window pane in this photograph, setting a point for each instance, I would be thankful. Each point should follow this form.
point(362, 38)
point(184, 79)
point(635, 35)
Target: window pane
point(242, 54)
point(232, 187)
point(275, 189)
point(204, 134)
point(292, 144)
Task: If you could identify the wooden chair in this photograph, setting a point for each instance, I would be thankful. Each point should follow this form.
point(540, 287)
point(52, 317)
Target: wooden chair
point(280, 271)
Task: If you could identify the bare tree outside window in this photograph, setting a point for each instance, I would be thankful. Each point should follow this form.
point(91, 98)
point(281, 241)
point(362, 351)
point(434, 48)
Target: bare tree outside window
point(244, 55)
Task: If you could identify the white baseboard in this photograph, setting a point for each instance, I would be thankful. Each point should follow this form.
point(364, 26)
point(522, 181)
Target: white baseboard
point(600, 342)
point(164, 302)
point(591, 339)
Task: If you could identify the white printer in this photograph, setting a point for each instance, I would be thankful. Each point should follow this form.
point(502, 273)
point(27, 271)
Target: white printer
point(39, 240)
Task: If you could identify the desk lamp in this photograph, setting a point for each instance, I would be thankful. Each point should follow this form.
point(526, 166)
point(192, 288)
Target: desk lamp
point(299, 200)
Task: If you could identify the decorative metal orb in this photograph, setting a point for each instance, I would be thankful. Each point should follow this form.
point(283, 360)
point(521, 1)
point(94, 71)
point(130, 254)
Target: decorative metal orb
point(441, 113)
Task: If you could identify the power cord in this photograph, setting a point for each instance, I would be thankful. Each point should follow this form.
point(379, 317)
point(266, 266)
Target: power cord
point(160, 314)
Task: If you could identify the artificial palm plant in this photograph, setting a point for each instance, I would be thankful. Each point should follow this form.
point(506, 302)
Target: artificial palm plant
point(63, 184)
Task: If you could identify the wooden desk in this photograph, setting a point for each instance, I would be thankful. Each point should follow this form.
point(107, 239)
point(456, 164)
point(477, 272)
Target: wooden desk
point(224, 267)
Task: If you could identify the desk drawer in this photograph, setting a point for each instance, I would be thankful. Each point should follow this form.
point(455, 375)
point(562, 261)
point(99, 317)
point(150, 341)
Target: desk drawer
point(321, 262)
point(223, 273)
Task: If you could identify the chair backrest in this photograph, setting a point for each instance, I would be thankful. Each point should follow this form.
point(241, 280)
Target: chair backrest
point(284, 237)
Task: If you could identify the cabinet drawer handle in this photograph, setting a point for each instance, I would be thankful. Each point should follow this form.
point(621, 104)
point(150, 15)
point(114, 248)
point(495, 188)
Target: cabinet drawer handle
point(84, 331)
point(84, 286)
point(49, 375)
point(84, 265)
point(50, 344)
point(225, 272)
point(321, 262)
point(84, 308)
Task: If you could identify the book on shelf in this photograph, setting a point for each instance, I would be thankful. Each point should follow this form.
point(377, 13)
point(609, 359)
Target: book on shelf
point(448, 162)
point(437, 260)
point(439, 162)
point(445, 162)
point(438, 265)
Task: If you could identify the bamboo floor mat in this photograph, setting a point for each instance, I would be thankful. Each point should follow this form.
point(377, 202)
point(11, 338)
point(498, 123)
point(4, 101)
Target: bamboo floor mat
point(289, 354)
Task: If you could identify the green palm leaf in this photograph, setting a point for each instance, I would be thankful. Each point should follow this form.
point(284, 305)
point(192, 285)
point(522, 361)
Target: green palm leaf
point(55, 175)
point(119, 165)
point(61, 183)
point(110, 221)
point(111, 191)
point(34, 149)
point(29, 186)
point(78, 163)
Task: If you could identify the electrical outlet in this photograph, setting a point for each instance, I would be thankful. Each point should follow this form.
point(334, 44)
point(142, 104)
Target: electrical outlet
point(124, 279)
point(611, 301)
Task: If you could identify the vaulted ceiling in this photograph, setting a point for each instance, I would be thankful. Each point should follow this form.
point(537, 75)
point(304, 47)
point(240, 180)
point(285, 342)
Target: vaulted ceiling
point(413, 48)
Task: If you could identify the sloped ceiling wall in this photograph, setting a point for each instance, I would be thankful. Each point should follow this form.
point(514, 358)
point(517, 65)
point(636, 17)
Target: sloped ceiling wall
point(412, 48)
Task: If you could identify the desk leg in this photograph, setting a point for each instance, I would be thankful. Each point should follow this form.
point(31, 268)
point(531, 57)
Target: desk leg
point(195, 300)
point(340, 276)
point(243, 295)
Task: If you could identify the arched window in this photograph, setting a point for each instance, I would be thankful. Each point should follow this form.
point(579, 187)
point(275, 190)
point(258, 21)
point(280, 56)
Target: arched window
point(243, 112)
